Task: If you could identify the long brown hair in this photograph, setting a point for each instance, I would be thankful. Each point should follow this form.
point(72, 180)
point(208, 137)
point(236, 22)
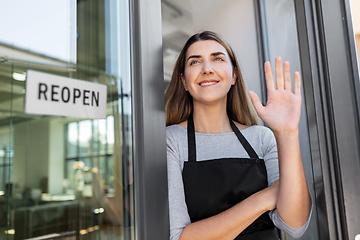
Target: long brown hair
point(178, 102)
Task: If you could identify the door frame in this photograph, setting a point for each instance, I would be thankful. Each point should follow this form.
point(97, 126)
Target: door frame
point(149, 136)
point(332, 99)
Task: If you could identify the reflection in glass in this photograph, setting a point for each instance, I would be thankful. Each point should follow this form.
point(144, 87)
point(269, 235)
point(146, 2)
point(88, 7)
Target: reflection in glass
point(85, 134)
point(280, 38)
point(55, 26)
point(102, 135)
point(89, 155)
point(72, 140)
point(110, 134)
point(64, 175)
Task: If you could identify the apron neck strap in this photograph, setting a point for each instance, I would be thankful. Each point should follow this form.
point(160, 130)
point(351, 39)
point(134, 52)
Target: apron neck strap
point(244, 142)
point(191, 139)
point(192, 145)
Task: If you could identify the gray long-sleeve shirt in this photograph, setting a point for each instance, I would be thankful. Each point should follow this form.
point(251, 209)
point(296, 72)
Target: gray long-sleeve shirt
point(214, 146)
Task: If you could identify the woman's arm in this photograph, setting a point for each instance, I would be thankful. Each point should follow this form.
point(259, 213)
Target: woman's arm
point(294, 202)
point(230, 223)
point(282, 115)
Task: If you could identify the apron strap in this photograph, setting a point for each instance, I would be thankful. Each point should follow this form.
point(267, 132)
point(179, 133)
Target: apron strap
point(191, 139)
point(192, 144)
point(243, 141)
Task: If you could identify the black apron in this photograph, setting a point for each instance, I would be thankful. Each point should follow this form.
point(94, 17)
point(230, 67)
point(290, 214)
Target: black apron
point(213, 186)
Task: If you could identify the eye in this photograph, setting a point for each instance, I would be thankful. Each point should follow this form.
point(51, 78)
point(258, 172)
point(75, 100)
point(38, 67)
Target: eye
point(219, 59)
point(193, 62)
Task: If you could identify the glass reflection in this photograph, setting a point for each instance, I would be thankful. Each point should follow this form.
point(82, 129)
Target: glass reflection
point(72, 140)
point(85, 134)
point(89, 157)
point(278, 26)
point(64, 177)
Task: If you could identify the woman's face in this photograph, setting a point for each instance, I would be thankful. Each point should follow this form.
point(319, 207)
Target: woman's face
point(208, 73)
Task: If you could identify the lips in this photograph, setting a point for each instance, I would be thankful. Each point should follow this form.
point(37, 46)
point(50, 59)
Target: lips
point(208, 83)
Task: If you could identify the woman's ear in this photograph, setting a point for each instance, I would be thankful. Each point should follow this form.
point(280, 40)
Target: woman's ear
point(183, 81)
point(234, 77)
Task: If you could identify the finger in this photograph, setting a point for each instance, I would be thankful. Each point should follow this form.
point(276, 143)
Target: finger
point(297, 85)
point(287, 76)
point(256, 102)
point(269, 77)
point(279, 73)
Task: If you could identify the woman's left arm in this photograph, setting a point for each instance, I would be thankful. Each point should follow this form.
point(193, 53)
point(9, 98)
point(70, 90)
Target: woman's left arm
point(282, 115)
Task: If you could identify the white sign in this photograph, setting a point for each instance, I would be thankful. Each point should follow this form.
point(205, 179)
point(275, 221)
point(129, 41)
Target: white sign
point(48, 94)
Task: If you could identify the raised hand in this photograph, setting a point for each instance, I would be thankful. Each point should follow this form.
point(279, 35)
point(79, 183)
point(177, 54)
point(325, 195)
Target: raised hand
point(283, 107)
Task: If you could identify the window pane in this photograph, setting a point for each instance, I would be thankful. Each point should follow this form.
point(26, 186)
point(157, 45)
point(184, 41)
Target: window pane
point(281, 15)
point(110, 134)
point(2, 155)
point(111, 175)
point(62, 174)
point(88, 162)
point(85, 134)
point(69, 180)
point(103, 171)
point(102, 136)
point(95, 140)
point(72, 140)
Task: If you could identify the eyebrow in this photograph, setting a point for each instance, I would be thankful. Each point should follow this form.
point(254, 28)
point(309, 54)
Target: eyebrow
point(217, 53)
point(199, 56)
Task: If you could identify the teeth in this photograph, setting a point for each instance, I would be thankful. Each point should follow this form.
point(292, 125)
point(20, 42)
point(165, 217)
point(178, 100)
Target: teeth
point(207, 83)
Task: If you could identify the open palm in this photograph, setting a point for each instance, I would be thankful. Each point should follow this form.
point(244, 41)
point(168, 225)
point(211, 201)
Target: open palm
point(282, 110)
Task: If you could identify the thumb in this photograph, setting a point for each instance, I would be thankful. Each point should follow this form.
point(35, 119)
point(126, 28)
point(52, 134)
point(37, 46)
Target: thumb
point(256, 102)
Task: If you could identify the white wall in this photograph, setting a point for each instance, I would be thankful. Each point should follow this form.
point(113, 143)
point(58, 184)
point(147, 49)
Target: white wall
point(30, 161)
point(39, 153)
point(56, 156)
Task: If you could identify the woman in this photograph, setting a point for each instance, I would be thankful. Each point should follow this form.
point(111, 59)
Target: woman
point(225, 172)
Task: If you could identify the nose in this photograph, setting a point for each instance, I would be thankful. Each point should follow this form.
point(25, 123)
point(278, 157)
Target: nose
point(207, 69)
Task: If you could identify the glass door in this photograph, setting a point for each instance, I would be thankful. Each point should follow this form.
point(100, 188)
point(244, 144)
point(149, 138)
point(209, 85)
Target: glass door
point(278, 37)
point(64, 176)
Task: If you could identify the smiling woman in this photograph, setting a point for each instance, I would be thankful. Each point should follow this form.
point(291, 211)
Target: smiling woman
point(178, 101)
point(223, 170)
point(208, 65)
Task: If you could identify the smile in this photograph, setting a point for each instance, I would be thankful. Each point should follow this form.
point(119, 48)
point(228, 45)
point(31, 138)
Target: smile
point(203, 84)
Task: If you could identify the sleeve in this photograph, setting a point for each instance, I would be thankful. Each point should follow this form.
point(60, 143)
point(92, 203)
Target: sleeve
point(270, 155)
point(178, 212)
point(292, 232)
point(272, 167)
